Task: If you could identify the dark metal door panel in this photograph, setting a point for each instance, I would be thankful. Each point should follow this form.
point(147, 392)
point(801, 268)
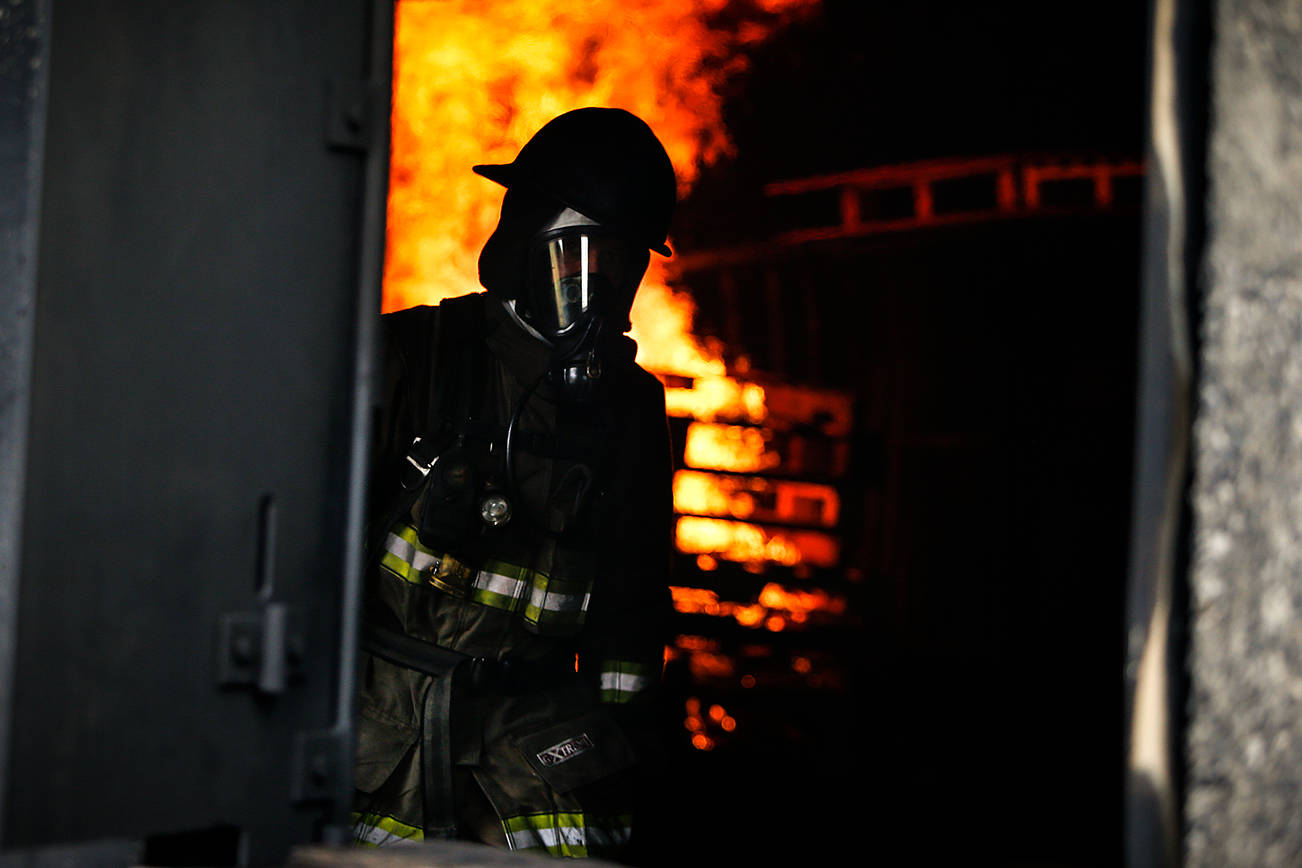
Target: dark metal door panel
point(198, 376)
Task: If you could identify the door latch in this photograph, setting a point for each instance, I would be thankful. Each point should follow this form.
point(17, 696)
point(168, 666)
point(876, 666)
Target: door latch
point(262, 649)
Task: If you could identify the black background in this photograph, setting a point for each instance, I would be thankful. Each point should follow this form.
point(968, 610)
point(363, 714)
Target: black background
point(992, 367)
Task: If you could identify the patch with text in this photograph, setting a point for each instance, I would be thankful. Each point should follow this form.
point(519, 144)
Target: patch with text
point(566, 750)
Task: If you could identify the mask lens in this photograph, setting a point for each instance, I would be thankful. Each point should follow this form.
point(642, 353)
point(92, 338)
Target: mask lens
point(575, 273)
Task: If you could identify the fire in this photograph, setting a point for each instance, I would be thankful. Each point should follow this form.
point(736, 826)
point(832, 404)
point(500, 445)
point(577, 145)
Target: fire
point(473, 81)
point(773, 609)
point(728, 447)
point(755, 498)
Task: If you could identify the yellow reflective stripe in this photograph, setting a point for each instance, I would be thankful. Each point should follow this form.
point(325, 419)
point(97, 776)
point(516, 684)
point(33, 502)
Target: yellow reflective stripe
point(557, 601)
point(545, 601)
point(510, 571)
point(378, 830)
point(498, 590)
point(621, 680)
point(405, 556)
point(567, 835)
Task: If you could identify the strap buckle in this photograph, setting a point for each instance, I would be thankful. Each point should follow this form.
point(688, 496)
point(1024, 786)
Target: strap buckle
point(418, 464)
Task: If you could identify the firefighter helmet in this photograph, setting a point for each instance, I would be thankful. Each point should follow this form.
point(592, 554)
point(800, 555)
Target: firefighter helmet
point(605, 163)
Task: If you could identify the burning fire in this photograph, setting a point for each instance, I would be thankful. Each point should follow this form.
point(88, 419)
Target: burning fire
point(774, 608)
point(473, 81)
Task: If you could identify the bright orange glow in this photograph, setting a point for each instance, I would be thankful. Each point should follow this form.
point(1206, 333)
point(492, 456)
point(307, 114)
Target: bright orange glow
point(737, 448)
point(716, 397)
point(705, 665)
point(774, 609)
point(753, 545)
point(774, 596)
point(662, 328)
point(756, 499)
point(696, 643)
point(473, 81)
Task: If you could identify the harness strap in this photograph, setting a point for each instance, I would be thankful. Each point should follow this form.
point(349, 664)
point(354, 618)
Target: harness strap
point(436, 756)
point(439, 819)
point(409, 652)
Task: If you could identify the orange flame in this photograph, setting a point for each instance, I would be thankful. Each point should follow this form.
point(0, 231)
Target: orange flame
point(728, 447)
point(473, 81)
point(756, 499)
point(773, 609)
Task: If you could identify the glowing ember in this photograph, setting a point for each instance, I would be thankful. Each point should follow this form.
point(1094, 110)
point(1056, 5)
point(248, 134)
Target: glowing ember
point(756, 499)
point(774, 609)
point(717, 397)
point(746, 543)
point(728, 447)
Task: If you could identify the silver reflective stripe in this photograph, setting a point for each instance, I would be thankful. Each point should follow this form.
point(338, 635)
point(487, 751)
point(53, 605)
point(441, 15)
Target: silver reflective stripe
point(381, 831)
point(569, 836)
point(499, 585)
point(496, 583)
point(408, 553)
point(399, 547)
point(553, 601)
point(624, 682)
point(382, 838)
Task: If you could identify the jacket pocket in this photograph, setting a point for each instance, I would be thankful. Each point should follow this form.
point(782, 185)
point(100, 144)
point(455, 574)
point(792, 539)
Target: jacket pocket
point(381, 745)
point(578, 752)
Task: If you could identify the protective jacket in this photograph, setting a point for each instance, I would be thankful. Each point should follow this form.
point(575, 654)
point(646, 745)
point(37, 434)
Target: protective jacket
point(513, 630)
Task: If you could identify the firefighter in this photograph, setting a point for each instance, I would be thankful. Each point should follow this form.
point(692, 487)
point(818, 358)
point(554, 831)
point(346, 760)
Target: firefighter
point(517, 588)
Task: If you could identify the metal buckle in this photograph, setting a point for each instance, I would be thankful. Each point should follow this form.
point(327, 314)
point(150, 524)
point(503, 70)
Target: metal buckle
point(409, 481)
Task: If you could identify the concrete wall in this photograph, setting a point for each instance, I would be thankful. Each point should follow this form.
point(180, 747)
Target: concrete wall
point(1244, 739)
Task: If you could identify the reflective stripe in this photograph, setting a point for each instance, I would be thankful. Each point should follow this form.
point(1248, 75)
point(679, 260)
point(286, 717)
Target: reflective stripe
point(497, 590)
point(405, 556)
point(377, 830)
point(544, 599)
point(546, 602)
point(567, 835)
point(621, 680)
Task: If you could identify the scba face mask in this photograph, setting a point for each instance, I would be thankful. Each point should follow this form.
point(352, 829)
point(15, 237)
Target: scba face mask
point(580, 272)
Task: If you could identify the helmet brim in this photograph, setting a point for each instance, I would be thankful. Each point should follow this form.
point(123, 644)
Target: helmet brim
point(507, 175)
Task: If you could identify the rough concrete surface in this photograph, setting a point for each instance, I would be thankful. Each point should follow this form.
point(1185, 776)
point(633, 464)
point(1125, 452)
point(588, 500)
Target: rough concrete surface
point(1244, 798)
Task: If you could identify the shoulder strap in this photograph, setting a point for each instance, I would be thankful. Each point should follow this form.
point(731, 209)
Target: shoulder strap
point(448, 394)
point(453, 378)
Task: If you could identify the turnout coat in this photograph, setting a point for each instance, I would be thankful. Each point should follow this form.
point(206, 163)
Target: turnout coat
point(516, 592)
